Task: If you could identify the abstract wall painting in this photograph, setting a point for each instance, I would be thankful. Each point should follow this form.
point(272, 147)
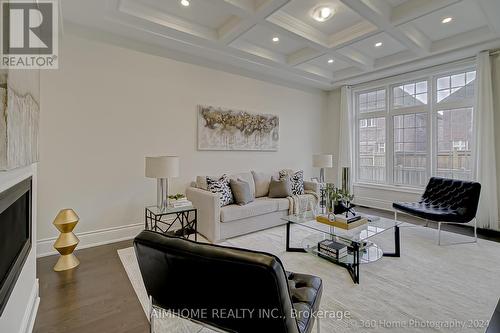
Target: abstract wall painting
point(226, 129)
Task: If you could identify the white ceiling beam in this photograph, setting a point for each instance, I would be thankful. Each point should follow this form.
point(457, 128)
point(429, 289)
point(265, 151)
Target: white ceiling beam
point(269, 7)
point(246, 5)
point(248, 53)
point(298, 28)
point(416, 36)
point(236, 26)
point(303, 55)
point(479, 35)
point(317, 70)
point(147, 13)
point(377, 13)
point(335, 54)
point(360, 59)
point(233, 28)
point(413, 9)
point(381, 7)
point(351, 34)
point(259, 51)
point(396, 58)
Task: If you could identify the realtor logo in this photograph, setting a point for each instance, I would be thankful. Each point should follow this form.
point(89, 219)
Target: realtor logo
point(29, 34)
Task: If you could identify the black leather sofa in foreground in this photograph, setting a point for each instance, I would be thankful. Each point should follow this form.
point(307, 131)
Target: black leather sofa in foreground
point(231, 289)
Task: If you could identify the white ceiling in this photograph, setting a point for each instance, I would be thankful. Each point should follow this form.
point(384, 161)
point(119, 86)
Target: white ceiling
point(238, 34)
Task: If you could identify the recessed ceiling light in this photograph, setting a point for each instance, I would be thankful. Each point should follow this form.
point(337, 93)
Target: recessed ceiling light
point(185, 3)
point(276, 39)
point(322, 13)
point(330, 61)
point(447, 20)
point(378, 44)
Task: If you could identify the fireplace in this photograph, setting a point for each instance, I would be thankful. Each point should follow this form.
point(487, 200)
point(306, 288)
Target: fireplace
point(15, 235)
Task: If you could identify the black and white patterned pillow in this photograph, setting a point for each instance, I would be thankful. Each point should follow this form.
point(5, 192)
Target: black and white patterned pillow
point(221, 187)
point(297, 180)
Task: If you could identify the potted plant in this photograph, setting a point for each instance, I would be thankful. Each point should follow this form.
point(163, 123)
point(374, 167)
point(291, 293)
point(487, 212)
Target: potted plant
point(338, 201)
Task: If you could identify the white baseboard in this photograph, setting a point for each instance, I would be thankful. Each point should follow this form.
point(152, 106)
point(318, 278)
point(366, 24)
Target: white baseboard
point(30, 314)
point(92, 238)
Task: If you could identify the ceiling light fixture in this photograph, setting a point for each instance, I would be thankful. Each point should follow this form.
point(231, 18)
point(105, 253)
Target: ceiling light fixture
point(322, 13)
point(330, 61)
point(276, 39)
point(378, 44)
point(447, 20)
point(185, 3)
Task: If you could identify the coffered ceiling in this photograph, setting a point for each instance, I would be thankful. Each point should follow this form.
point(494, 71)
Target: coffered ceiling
point(362, 40)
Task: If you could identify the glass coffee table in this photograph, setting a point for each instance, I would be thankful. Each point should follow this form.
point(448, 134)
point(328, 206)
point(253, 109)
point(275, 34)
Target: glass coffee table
point(360, 248)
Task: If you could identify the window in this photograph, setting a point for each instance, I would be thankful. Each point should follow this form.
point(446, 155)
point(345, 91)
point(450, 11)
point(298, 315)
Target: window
point(410, 149)
point(371, 157)
point(455, 87)
point(410, 94)
point(454, 130)
point(408, 131)
point(372, 101)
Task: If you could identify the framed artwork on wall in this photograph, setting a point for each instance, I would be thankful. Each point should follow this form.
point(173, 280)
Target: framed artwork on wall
point(227, 129)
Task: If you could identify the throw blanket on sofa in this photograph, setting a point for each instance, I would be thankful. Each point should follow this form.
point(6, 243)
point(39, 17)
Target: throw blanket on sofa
point(302, 202)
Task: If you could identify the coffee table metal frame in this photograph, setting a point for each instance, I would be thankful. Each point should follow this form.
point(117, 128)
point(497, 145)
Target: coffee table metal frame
point(354, 247)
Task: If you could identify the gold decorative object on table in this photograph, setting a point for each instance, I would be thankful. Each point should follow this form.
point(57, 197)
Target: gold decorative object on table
point(66, 243)
point(341, 223)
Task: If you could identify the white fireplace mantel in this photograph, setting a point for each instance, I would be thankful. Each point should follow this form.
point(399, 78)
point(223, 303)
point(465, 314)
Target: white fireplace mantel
point(20, 313)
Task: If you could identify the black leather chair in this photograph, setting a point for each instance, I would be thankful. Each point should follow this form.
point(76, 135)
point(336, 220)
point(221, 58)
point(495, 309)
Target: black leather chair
point(200, 281)
point(445, 201)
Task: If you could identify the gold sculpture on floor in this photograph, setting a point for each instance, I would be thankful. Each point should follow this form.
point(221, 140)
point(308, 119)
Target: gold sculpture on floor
point(66, 243)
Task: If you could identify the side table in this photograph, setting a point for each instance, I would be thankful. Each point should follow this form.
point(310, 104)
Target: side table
point(164, 220)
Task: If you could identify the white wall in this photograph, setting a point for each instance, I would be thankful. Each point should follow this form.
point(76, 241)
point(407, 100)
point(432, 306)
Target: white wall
point(107, 107)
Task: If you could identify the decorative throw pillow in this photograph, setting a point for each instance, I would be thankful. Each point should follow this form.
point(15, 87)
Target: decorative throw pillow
point(297, 180)
point(280, 188)
point(221, 187)
point(261, 183)
point(241, 191)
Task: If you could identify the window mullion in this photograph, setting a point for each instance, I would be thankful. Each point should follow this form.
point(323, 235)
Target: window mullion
point(432, 130)
point(389, 139)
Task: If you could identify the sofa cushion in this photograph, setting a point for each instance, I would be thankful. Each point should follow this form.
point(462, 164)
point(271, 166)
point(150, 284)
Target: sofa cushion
point(241, 191)
point(260, 206)
point(296, 178)
point(262, 181)
point(283, 203)
point(201, 181)
point(248, 177)
point(222, 188)
point(280, 188)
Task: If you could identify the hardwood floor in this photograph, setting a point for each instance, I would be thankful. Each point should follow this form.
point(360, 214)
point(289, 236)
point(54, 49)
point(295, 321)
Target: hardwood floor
point(97, 296)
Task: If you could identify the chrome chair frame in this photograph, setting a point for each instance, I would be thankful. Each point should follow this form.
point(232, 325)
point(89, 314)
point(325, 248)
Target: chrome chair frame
point(439, 228)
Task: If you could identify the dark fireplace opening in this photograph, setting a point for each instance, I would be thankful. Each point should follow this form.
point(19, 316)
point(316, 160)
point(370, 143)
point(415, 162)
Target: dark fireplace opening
point(15, 236)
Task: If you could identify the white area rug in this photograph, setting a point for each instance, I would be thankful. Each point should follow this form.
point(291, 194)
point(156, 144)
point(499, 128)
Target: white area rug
point(428, 289)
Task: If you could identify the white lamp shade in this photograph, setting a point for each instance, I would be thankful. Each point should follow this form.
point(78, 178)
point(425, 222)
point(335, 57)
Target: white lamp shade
point(162, 166)
point(322, 161)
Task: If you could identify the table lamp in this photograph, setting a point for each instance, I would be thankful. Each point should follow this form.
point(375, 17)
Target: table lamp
point(322, 161)
point(162, 168)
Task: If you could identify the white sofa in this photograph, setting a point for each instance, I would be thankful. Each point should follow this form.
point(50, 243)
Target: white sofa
point(218, 223)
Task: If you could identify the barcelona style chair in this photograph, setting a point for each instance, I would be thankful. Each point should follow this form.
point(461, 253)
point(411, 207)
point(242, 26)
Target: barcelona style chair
point(183, 276)
point(445, 201)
